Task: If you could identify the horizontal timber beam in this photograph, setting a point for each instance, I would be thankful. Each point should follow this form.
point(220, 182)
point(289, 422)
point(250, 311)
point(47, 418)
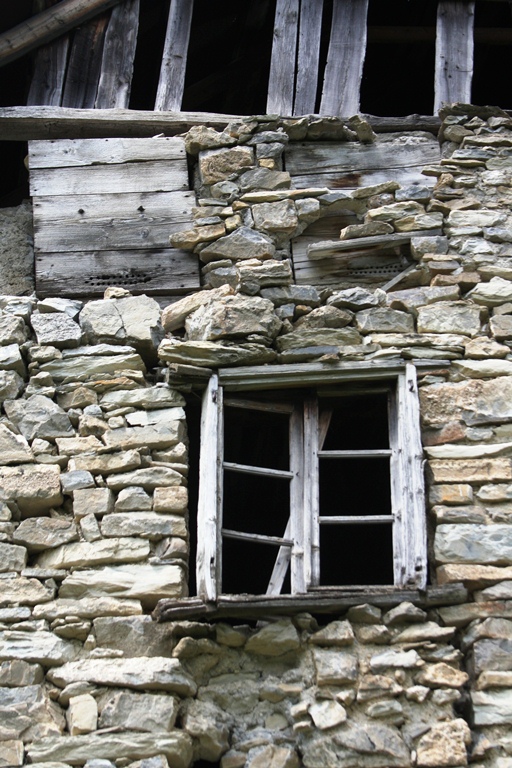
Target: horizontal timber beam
point(28, 123)
point(48, 25)
point(330, 602)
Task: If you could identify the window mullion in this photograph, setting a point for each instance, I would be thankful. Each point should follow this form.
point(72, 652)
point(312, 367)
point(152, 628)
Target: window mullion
point(411, 454)
point(311, 495)
point(297, 504)
point(209, 506)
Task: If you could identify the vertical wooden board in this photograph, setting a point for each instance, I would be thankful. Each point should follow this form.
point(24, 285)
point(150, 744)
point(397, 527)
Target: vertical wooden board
point(282, 65)
point(345, 58)
point(118, 56)
point(297, 512)
point(209, 503)
point(49, 67)
point(169, 93)
point(49, 72)
point(160, 271)
point(310, 30)
point(311, 496)
point(412, 473)
point(397, 497)
point(84, 64)
point(65, 153)
point(454, 52)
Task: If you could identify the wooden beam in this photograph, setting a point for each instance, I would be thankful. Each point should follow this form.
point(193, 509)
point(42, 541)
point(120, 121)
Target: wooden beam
point(310, 30)
point(169, 93)
point(454, 52)
point(49, 68)
point(84, 65)
point(345, 58)
point(44, 122)
point(118, 56)
point(317, 603)
point(282, 65)
point(47, 26)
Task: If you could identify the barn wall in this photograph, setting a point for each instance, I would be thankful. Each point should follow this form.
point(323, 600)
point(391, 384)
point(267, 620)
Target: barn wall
point(93, 511)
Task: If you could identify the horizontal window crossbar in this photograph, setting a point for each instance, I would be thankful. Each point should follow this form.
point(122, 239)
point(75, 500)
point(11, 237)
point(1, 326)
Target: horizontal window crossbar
point(359, 519)
point(257, 538)
point(374, 453)
point(257, 405)
point(250, 470)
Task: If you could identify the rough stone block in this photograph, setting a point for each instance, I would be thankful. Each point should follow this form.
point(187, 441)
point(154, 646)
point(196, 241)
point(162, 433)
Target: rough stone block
point(82, 714)
point(479, 544)
point(92, 501)
point(35, 488)
point(470, 470)
point(128, 710)
point(123, 550)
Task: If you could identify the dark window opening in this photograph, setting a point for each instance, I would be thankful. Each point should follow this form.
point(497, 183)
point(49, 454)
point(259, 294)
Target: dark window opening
point(229, 55)
point(493, 46)
point(356, 554)
point(348, 486)
point(398, 72)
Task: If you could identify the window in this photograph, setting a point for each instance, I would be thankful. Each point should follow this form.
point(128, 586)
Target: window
point(310, 480)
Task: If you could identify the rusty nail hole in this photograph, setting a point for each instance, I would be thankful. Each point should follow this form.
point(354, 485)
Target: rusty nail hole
point(141, 208)
point(81, 210)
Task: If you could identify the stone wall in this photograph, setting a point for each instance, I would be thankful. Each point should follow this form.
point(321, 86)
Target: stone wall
point(93, 491)
point(16, 250)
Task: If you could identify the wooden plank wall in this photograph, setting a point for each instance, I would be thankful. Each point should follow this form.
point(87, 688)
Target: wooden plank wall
point(98, 220)
point(346, 166)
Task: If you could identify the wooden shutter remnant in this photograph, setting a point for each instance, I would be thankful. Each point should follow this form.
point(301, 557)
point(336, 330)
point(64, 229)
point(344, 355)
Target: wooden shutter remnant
point(282, 67)
point(103, 213)
point(454, 52)
point(118, 56)
point(174, 60)
point(345, 58)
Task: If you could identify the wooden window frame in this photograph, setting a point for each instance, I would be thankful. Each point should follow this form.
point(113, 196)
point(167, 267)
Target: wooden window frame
point(299, 545)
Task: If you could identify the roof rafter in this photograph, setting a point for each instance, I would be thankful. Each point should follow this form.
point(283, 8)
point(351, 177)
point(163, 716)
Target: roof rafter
point(48, 25)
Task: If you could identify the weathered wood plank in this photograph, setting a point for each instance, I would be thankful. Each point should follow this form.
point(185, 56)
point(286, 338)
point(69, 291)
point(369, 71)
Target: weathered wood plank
point(49, 67)
point(389, 153)
point(71, 152)
point(321, 250)
point(209, 505)
point(454, 52)
point(310, 30)
point(118, 56)
point(282, 65)
point(311, 495)
point(281, 565)
point(299, 525)
point(45, 122)
point(48, 25)
point(345, 58)
point(84, 64)
point(256, 377)
point(258, 405)
point(169, 93)
point(347, 270)
point(177, 205)
point(412, 477)
point(334, 601)
point(95, 179)
point(49, 71)
point(355, 519)
point(248, 469)
point(257, 538)
point(165, 271)
point(108, 234)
